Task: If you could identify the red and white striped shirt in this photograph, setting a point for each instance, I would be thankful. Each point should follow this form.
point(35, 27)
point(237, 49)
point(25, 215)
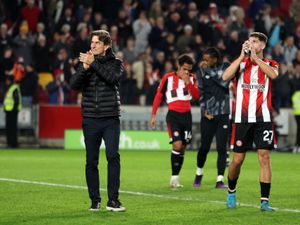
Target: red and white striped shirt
point(177, 93)
point(253, 100)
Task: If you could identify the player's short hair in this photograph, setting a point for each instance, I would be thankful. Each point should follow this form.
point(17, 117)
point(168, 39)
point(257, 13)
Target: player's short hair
point(214, 53)
point(261, 36)
point(185, 58)
point(103, 36)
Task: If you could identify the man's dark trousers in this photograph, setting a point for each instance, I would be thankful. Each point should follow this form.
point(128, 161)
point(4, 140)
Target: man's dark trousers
point(12, 129)
point(94, 130)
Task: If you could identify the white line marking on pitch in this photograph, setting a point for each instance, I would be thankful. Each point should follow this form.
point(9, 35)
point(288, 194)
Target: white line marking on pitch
point(136, 193)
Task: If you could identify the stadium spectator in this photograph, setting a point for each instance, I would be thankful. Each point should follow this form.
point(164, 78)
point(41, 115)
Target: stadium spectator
point(282, 87)
point(297, 58)
point(278, 31)
point(256, 10)
point(23, 43)
point(58, 89)
point(174, 24)
point(81, 42)
point(237, 16)
point(12, 105)
point(29, 85)
point(159, 62)
point(158, 33)
point(98, 77)
point(215, 109)
point(138, 69)
point(18, 69)
point(63, 62)
point(214, 17)
point(289, 50)
point(5, 38)
point(178, 88)
point(97, 21)
point(206, 30)
point(168, 67)
point(40, 30)
point(129, 7)
point(222, 48)
point(41, 55)
point(185, 40)
point(295, 10)
point(128, 51)
point(168, 45)
point(297, 37)
point(233, 45)
point(141, 30)
point(31, 14)
point(254, 124)
point(114, 34)
point(123, 23)
point(87, 17)
point(191, 16)
point(263, 22)
point(55, 10)
point(155, 11)
point(277, 54)
point(128, 90)
point(60, 41)
point(67, 18)
point(152, 79)
point(197, 46)
point(66, 34)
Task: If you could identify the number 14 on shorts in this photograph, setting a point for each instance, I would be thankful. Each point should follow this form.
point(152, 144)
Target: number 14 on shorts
point(187, 135)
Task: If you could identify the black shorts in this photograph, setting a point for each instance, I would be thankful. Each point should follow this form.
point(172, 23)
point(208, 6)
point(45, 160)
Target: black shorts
point(244, 134)
point(179, 126)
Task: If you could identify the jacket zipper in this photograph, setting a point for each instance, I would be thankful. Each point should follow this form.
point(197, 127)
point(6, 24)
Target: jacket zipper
point(96, 97)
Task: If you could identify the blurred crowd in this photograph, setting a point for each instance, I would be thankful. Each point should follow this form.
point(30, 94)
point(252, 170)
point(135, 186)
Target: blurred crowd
point(40, 41)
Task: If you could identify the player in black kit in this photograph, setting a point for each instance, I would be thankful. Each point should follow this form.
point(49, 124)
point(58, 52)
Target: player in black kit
point(214, 103)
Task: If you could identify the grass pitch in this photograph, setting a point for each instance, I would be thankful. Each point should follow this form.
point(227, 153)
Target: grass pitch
point(47, 187)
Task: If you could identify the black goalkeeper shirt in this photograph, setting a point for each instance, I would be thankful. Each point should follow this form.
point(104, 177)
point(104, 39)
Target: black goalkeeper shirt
point(214, 91)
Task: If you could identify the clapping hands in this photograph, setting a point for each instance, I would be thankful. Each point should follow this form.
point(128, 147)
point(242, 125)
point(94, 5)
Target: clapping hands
point(86, 58)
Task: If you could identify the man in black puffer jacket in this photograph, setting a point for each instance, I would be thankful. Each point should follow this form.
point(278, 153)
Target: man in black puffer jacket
point(97, 77)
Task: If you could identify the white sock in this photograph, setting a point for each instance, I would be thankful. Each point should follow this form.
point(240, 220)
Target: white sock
point(220, 178)
point(199, 171)
point(174, 177)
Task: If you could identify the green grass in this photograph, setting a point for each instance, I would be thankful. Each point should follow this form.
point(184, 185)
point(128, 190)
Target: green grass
point(146, 172)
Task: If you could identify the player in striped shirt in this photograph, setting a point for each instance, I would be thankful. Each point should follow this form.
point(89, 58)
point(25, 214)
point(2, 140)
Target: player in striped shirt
point(177, 88)
point(253, 75)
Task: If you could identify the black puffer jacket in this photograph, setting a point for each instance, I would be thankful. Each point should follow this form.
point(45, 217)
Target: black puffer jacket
point(99, 86)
